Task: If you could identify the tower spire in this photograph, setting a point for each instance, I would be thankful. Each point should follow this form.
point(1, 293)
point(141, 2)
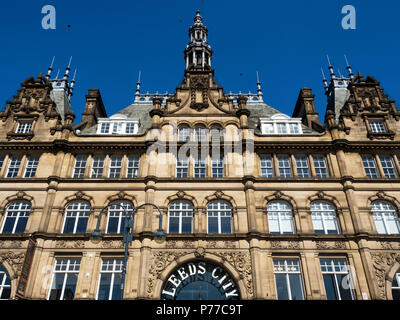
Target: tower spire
point(72, 85)
point(67, 70)
point(50, 69)
point(351, 75)
point(333, 75)
point(198, 52)
point(259, 90)
point(138, 83)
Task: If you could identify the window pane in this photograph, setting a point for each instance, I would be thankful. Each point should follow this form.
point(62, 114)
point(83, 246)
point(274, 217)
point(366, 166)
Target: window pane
point(70, 285)
point(344, 287)
point(56, 288)
point(116, 293)
point(173, 225)
point(69, 225)
point(113, 225)
point(82, 224)
point(187, 225)
point(104, 286)
point(330, 287)
point(212, 225)
point(281, 287)
point(9, 225)
point(226, 225)
point(296, 287)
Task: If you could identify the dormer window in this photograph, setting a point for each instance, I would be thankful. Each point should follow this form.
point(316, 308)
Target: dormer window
point(280, 124)
point(118, 124)
point(24, 127)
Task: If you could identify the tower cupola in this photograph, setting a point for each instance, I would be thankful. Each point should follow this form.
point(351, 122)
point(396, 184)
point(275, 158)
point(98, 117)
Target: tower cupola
point(198, 53)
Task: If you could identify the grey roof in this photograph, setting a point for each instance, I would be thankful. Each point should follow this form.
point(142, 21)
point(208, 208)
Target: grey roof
point(137, 111)
point(141, 112)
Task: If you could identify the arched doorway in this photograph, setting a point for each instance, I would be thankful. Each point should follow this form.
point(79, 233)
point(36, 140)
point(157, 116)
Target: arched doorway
point(199, 280)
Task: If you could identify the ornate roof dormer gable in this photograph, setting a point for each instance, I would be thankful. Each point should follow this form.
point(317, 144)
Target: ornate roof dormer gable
point(368, 98)
point(36, 107)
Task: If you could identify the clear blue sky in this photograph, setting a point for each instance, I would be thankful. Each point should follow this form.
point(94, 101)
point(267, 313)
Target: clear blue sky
point(286, 41)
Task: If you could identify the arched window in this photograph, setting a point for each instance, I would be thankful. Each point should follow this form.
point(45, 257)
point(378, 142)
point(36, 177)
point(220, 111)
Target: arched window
point(280, 217)
point(200, 133)
point(76, 217)
point(183, 133)
point(323, 215)
point(5, 284)
point(16, 217)
point(219, 216)
point(216, 133)
point(396, 286)
point(180, 217)
point(385, 217)
point(117, 216)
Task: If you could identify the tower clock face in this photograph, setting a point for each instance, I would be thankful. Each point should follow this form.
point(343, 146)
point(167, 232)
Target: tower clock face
point(199, 280)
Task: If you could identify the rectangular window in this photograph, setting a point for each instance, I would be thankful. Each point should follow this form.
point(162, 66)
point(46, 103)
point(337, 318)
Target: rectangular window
point(268, 128)
point(281, 128)
point(294, 128)
point(31, 167)
point(65, 278)
point(370, 166)
point(80, 166)
point(182, 168)
point(321, 169)
point(303, 170)
point(115, 167)
point(377, 126)
point(217, 168)
point(288, 279)
point(110, 280)
point(117, 127)
point(388, 167)
point(105, 128)
point(97, 167)
point(285, 169)
point(200, 168)
point(13, 167)
point(130, 128)
point(180, 218)
point(24, 127)
point(337, 279)
point(133, 167)
point(267, 168)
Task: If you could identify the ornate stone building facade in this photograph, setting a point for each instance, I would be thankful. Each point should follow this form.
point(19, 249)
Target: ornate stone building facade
point(255, 204)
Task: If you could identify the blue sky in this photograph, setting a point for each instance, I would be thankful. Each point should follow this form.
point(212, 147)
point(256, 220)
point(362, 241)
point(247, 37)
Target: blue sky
point(286, 41)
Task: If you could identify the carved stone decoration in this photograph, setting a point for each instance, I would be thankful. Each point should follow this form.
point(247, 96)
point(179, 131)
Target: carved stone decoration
point(158, 262)
point(200, 252)
point(382, 263)
point(15, 260)
point(387, 245)
point(111, 244)
point(63, 244)
point(326, 245)
point(11, 244)
point(285, 245)
point(199, 83)
point(241, 261)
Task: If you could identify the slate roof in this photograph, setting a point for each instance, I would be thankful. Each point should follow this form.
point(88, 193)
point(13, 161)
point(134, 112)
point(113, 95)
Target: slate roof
point(141, 112)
